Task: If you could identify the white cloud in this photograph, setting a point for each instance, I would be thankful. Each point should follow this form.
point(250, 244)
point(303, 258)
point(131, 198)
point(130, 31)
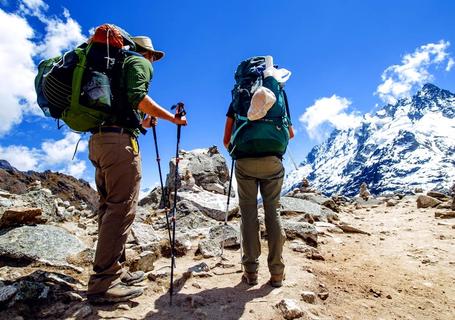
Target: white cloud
point(21, 157)
point(76, 168)
point(328, 111)
point(400, 80)
point(54, 155)
point(19, 47)
point(60, 35)
point(61, 151)
point(450, 64)
point(17, 94)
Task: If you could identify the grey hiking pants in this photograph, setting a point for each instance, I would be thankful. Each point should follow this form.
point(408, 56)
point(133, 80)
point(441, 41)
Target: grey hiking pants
point(265, 173)
point(118, 174)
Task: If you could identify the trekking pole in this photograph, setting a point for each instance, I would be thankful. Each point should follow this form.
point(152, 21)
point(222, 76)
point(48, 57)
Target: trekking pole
point(292, 159)
point(163, 195)
point(227, 209)
point(180, 112)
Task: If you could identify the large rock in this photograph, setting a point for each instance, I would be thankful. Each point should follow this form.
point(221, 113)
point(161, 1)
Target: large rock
point(427, 202)
point(21, 215)
point(144, 234)
point(227, 234)
point(303, 230)
point(211, 204)
point(293, 206)
point(204, 168)
point(41, 243)
point(438, 195)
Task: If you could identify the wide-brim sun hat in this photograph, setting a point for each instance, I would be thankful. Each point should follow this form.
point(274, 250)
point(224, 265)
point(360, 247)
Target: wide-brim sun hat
point(146, 43)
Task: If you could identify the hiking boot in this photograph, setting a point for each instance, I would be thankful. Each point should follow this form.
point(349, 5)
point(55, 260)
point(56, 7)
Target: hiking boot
point(276, 280)
point(118, 293)
point(130, 278)
point(250, 277)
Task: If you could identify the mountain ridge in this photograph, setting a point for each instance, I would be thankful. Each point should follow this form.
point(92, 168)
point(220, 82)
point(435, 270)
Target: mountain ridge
point(408, 145)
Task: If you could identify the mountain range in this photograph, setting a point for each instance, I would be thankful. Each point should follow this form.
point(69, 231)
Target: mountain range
point(404, 146)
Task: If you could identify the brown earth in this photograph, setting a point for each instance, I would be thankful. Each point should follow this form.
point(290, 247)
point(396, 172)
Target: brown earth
point(63, 186)
point(403, 270)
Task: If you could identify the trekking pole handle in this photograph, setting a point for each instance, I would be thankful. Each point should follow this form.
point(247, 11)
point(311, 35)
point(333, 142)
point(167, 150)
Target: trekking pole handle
point(179, 109)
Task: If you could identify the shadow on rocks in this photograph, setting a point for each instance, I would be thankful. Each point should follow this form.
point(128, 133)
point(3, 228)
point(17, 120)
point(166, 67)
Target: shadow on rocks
point(217, 303)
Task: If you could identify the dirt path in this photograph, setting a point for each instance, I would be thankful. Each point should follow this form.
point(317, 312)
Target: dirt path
point(404, 270)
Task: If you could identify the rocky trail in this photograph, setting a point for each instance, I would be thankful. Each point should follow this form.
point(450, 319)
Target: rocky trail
point(381, 258)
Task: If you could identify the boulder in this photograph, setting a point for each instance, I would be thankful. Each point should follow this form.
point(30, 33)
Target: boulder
point(21, 215)
point(438, 195)
point(212, 205)
point(211, 247)
point(43, 243)
point(293, 206)
point(203, 168)
point(427, 202)
point(303, 230)
point(144, 234)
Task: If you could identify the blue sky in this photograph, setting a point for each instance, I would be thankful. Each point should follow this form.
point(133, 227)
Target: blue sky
point(346, 57)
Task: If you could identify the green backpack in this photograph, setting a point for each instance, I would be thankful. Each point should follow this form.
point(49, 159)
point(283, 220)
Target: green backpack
point(78, 88)
point(268, 135)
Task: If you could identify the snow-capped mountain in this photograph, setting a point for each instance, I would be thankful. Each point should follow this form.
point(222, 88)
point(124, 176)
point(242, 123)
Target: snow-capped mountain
point(403, 146)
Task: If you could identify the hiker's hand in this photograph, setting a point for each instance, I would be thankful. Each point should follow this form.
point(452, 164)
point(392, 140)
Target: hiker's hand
point(180, 120)
point(149, 122)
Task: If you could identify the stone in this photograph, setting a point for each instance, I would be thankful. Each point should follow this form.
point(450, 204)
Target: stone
point(81, 312)
point(323, 227)
point(302, 230)
point(391, 203)
point(6, 293)
point(308, 296)
point(308, 251)
point(418, 190)
point(144, 234)
point(427, 202)
point(323, 295)
point(41, 242)
point(294, 206)
point(209, 248)
point(72, 297)
point(210, 204)
point(201, 168)
point(445, 215)
point(363, 192)
point(225, 233)
point(83, 258)
point(145, 261)
point(438, 195)
point(182, 245)
point(331, 205)
point(21, 215)
point(289, 309)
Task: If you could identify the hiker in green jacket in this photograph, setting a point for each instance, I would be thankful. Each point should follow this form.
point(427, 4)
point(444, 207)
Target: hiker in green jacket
point(114, 151)
point(256, 134)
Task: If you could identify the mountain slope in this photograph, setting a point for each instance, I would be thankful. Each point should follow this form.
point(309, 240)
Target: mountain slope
point(403, 146)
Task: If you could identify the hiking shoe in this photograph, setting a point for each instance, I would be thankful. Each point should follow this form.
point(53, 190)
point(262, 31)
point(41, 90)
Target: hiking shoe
point(118, 293)
point(130, 278)
point(276, 280)
point(250, 277)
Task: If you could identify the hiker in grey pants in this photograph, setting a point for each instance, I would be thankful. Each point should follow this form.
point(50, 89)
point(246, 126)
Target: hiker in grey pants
point(265, 173)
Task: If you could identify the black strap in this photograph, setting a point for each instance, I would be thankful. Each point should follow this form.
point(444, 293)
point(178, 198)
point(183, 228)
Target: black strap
point(287, 105)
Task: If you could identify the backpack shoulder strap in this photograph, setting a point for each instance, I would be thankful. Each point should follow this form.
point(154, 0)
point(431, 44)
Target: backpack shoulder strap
point(288, 113)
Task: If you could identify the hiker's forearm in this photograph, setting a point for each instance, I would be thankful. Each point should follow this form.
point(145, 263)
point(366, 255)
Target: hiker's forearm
point(151, 107)
point(228, 131)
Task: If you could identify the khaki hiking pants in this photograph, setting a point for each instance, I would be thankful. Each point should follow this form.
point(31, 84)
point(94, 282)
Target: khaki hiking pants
point(265, 173)
point(118, 174)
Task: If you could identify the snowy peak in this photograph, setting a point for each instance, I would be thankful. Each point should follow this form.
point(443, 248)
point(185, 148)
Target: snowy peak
point(403, 146)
